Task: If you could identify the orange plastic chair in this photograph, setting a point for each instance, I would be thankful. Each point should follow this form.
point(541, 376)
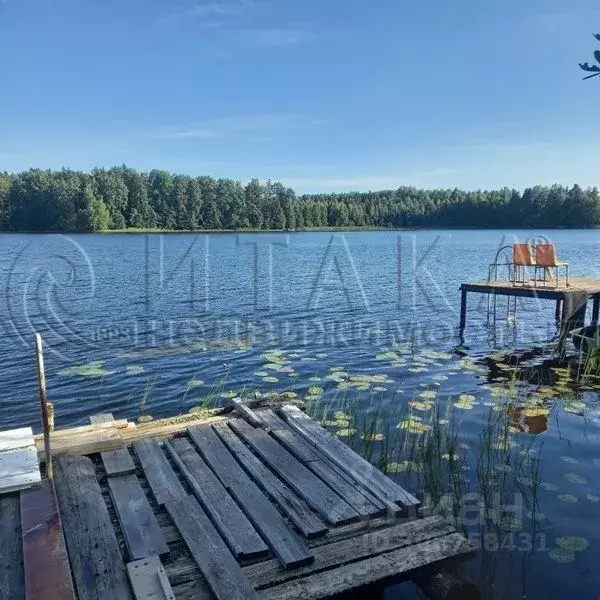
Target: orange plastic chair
point(546, 259)
point(522, 257)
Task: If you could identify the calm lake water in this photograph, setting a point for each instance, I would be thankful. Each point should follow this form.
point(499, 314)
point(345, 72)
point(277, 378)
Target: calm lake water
point(365, 323)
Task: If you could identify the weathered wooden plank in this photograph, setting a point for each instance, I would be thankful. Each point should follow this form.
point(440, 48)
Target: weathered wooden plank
point(296, 509)
point(12, 581)
point(221, 508)
point(247, 413)
point(345, 458)
point(101, 418)
point(163, 481)
point(19, 469)
point(400, 565)
point(96, 561)
point(222, 572)
point(317, 494)
point(289, 548)
point(328, 556)
point(304, 452)
point(16, 438)
point(60, 434)
point(149, 579)
point(46, 562)
point(142, 533)
point(118, 462)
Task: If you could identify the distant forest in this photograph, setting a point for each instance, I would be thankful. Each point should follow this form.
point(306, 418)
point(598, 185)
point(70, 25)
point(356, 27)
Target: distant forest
point(121, 198)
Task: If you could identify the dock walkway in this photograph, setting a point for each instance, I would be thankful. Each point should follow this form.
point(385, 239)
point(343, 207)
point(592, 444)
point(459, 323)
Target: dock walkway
point(264, 504)
point(571, 301)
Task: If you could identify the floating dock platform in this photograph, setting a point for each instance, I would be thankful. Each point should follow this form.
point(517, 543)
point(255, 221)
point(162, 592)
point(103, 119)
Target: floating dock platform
point(254, 504)
point(571, 301)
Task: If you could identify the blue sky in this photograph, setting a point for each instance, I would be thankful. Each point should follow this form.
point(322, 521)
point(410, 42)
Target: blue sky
point(324, 95)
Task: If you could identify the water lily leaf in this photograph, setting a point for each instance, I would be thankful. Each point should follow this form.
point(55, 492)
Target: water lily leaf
point(93, 369)
point(196, 382)
point(574, 478)
point(270, 379)
point(561, 555)
point(576, 544)
point(568, 498)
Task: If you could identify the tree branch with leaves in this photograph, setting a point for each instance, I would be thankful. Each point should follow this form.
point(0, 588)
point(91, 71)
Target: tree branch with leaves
point(593, 69)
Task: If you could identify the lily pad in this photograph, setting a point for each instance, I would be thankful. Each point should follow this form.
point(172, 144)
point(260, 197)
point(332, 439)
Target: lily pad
point(561, 555)
point(576, 544)
point(93, 369)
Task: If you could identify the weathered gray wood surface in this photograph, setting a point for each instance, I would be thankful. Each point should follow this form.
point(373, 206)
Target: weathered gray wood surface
point(233, 525)
point(118, 462)
point(317, 494)
point(101, 418)
point(289, 548)
point(149, 580)
point(19, 469)
point(16, 438)
point(247, 413)
point(96, 561)
point(222, 572)
point(12, 581)
point(45, 558)
point(303, 451)
point(296, 509)
point(360, 547)
point(142, 533)
point(403, 563)
point(345, 458)
point(163, 481)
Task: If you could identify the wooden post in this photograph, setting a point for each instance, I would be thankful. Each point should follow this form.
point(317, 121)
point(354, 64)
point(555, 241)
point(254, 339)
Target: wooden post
point(596, 310)
point(44, 404)
point(463, 310)
point(558, 310)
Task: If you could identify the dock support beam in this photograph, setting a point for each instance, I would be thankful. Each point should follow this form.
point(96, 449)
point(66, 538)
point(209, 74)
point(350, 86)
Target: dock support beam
point(463, 310)
point(596, 310)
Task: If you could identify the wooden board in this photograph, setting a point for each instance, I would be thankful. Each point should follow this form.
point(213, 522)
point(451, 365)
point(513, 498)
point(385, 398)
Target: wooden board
point(222, 572)
point(317, 494)
point(295, 509)
point(352, 549)
point(118, 462)
point(12, 582)
point(400, 564)
point(96, 561)
point(19, 469)
point(289, 548)
point(46, 563)
point(363, 503)
point(102, 418)
point(149, 579)
point(162, 479)
point(221, 508)
point(16, 438)
point(142, 533)
point(345, 458)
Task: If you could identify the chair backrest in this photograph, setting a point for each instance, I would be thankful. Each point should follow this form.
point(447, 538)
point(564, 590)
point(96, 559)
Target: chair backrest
point(545, 255)
point(522, 256)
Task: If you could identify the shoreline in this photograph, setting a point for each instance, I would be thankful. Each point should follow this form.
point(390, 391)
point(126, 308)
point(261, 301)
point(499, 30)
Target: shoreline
point(135, 230)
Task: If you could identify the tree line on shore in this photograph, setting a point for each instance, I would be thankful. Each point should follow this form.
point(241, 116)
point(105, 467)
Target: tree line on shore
point(121, 198)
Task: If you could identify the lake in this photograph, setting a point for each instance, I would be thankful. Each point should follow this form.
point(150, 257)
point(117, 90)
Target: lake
point(362, 324)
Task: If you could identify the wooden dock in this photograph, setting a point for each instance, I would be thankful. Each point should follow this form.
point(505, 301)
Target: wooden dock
point(571, 302)
point(257, 504)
